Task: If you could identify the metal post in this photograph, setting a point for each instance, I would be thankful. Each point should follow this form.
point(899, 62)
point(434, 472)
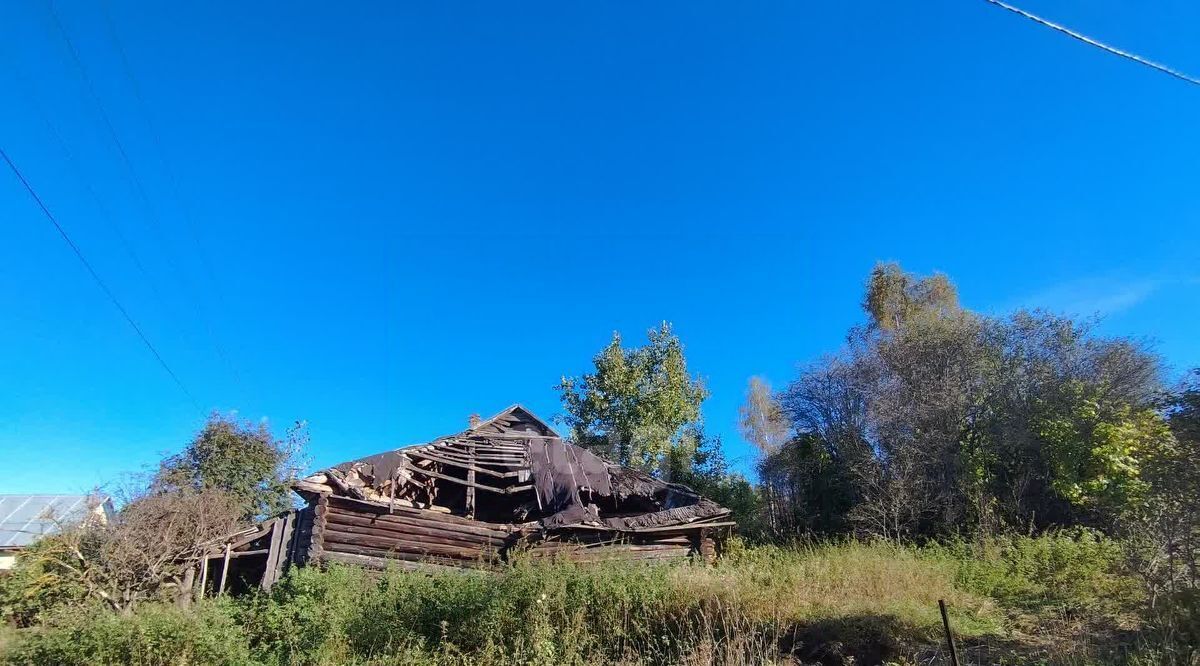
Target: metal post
point(949, 635)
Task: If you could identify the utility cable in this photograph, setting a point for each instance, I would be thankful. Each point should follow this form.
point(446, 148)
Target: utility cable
point(97, 279)
point(1092, 42)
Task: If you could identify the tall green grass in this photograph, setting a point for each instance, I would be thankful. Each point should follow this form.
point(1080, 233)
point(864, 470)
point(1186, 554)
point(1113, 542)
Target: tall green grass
point(871, 602)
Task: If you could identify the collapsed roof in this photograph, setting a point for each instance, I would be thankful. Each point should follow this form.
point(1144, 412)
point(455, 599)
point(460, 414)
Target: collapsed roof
point(516, 470)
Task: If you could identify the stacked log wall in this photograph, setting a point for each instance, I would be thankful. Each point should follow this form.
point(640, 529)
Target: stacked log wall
point(406, 534)
point(344, 530)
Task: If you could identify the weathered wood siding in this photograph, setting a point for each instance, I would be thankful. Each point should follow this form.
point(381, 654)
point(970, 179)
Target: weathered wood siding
point(407, 534)
point(355, 532)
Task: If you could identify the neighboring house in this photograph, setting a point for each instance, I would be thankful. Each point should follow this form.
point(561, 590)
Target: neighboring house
point(503, 486)
point(26, 518)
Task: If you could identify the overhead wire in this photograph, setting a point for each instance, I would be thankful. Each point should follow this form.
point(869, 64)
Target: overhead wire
point(112, 297)
point(150, 210)
point(1092, 42)
point(156, 139)
point(77, 170)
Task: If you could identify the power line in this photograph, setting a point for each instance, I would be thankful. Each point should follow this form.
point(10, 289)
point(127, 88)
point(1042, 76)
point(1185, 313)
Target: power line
point(152, 214)
point(172, 179)
point(77, 170)
point(1100, 45)
point(96, 277)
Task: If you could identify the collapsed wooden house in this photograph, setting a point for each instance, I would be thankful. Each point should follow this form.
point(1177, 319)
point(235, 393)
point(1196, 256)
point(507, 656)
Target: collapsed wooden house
point(506, 486)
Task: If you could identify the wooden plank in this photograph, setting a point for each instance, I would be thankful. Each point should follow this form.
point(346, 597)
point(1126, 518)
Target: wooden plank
point(301, 536)
point(462, 482)
point(467, 465)
point(471, 488)
point(203, 577)
point(494, 461)
point(388, 544)
point(286, 551)
point(367, 526)
point(372, 562)
point(406, 557)
point(224, 571)
point(388, 548)
point(371, 508)
point(268, 577)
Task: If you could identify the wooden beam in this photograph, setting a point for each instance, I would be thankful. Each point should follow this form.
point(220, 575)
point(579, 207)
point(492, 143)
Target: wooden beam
point(448, 459)
point(273, 550)
point(203, 577)
point(438, 475)
point(224, 570)
point(471, 480)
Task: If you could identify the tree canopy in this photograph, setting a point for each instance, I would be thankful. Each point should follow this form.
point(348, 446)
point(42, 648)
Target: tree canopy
point(934, 419)
point(245, 460)
point(635, 405)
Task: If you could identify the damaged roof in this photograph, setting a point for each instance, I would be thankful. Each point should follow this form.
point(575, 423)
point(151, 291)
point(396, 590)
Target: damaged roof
point(513, 468)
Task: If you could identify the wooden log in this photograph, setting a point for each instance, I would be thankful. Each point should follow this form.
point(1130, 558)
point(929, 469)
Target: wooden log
point(420, 517)
point(372, 562)
point(387, 544)
point(411, 556)
point(359, 525)
point(418, 526)
point(317, 532)
point(674, 554)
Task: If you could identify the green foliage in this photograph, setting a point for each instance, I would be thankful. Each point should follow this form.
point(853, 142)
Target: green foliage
point(895, 297)
point(1095, 454)
point(871, 601)
point(761, 419)
point(1075, 573)
point(634, 406)
point(934, 421)
point(244, 460)
point(157, 635)
point(40, 582)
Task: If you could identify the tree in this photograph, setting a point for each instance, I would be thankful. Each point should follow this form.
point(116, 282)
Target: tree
point(149, 551)
point(762, 423)
point(698, 462)
point(895, 296)
point(761, 419)
point(636, 404)
point(934, 420)
point(245, 460)
point(1162, 532)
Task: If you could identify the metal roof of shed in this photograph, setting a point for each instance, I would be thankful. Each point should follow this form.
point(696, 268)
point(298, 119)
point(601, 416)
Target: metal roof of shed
point(26, 518)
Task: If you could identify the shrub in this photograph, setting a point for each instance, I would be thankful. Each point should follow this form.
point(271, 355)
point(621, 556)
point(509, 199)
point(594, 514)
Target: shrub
point(1069, 574)
point(156, 635)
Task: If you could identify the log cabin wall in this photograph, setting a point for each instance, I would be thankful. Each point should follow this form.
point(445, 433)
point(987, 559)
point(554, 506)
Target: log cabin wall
point(505, 488)
point(356, 532)
point(350, 527)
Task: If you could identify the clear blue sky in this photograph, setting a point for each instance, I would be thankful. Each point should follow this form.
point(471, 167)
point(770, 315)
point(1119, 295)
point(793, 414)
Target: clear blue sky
point(415, 211)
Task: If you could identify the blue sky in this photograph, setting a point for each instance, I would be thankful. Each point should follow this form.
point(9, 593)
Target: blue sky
point(382, 217)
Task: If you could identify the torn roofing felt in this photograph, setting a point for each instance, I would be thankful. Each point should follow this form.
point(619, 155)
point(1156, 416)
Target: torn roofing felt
point(515, 469)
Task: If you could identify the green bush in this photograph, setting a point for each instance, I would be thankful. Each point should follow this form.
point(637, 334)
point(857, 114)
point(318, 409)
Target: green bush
point(157, 635)
point(1066, 574)
point(870, 601)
